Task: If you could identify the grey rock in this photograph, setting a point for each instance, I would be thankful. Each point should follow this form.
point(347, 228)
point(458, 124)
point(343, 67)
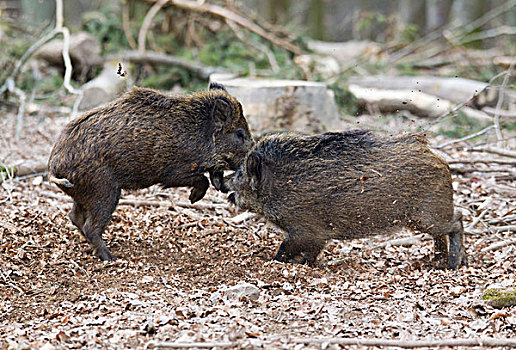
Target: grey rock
point(247, 290)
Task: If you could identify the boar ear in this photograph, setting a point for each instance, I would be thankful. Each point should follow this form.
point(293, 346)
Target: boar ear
point(254, 167)
point(217, 86)
point(221, 112)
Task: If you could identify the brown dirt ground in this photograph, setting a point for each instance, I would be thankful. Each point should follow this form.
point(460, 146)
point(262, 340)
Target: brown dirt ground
point(175, 265)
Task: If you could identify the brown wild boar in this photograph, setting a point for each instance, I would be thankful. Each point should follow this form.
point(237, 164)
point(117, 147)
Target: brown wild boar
point(141, 139)
point(347, 185)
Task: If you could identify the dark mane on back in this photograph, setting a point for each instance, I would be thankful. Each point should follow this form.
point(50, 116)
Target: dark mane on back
point(357, 137)
point(149, 97)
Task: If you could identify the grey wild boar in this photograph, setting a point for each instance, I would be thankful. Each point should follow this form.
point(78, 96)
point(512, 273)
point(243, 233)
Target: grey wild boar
point(348, 185)
point(141, 139)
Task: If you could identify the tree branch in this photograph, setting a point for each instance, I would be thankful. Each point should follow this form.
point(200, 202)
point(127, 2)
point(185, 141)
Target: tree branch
point(196, 68)
point(147, 22)
point(433, 343)
point(10, 82)
point(184, 345)
point(227, 14)
point(499, 105)
point(494, 150)
point(465, 138)
point(126, 26)
point(502, 244)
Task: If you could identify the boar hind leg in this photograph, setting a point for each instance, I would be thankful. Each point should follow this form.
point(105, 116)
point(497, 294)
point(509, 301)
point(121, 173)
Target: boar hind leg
point(441, 245)
point(199, 183)
point(299, 249)
point(449, 243)
point(77, 216)
point(457, 252)
point(97, 219)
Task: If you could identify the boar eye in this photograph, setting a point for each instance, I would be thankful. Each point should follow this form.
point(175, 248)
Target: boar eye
point(240, 134)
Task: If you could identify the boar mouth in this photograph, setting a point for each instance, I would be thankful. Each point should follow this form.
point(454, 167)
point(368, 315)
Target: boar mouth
point(231, 163)
point(232, 198)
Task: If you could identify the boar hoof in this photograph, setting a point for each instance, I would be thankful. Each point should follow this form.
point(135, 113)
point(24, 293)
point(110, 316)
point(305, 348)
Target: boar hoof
point(105, 255)
point(217, 180)
point(196, 195)
point(439, 262)
point(200, 186)
point(457, 260)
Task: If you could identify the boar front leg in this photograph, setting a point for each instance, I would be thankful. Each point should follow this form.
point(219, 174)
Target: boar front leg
point(217, 180)
point(200, 185)
point(78, 216)
point(457, 254)
point(302, 249)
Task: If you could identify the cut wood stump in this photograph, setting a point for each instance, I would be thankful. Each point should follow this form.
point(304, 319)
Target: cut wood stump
point(270, 104)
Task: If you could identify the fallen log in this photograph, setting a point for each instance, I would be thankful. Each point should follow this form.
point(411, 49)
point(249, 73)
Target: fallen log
point(451, 89)
point(414, 101)
point(84, 53)
point(24, 168)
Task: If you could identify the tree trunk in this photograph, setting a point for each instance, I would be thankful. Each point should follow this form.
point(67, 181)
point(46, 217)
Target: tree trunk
point(411, 12)
point(38, 13)
point(466, 11)
point(437, 13)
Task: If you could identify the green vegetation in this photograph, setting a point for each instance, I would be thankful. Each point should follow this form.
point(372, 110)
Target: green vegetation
point(106, 26)
point(461, 126)
point(212, 42)
point(499, 298)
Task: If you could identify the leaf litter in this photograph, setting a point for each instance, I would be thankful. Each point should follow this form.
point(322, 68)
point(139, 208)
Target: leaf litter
point(189, 275)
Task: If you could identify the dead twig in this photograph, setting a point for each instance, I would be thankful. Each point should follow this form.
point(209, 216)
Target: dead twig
point(196, 68)
point(477, 219)
point(499, 105)
point(408, 241)
point(467, 170)
point(493, 111)
point(485, 161)
point(507, 219)
point(183, 345)
point(502, 244)
point(494, 150)
point(139, 202)
point(465, 138)
point(257, 46)
point(147, 22)
point(126, 26)
point(433, 343)
point(488, 34)
point(226, 14)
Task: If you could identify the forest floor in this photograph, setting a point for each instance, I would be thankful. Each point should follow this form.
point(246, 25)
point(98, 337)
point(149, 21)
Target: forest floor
point(182, 272)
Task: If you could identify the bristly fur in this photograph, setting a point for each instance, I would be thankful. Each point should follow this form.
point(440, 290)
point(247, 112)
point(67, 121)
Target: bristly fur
point(146, 138)
point(349, 185)
point(217, 86)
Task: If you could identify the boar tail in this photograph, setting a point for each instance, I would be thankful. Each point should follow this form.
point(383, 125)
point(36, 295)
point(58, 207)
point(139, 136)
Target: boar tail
point(63, 182)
